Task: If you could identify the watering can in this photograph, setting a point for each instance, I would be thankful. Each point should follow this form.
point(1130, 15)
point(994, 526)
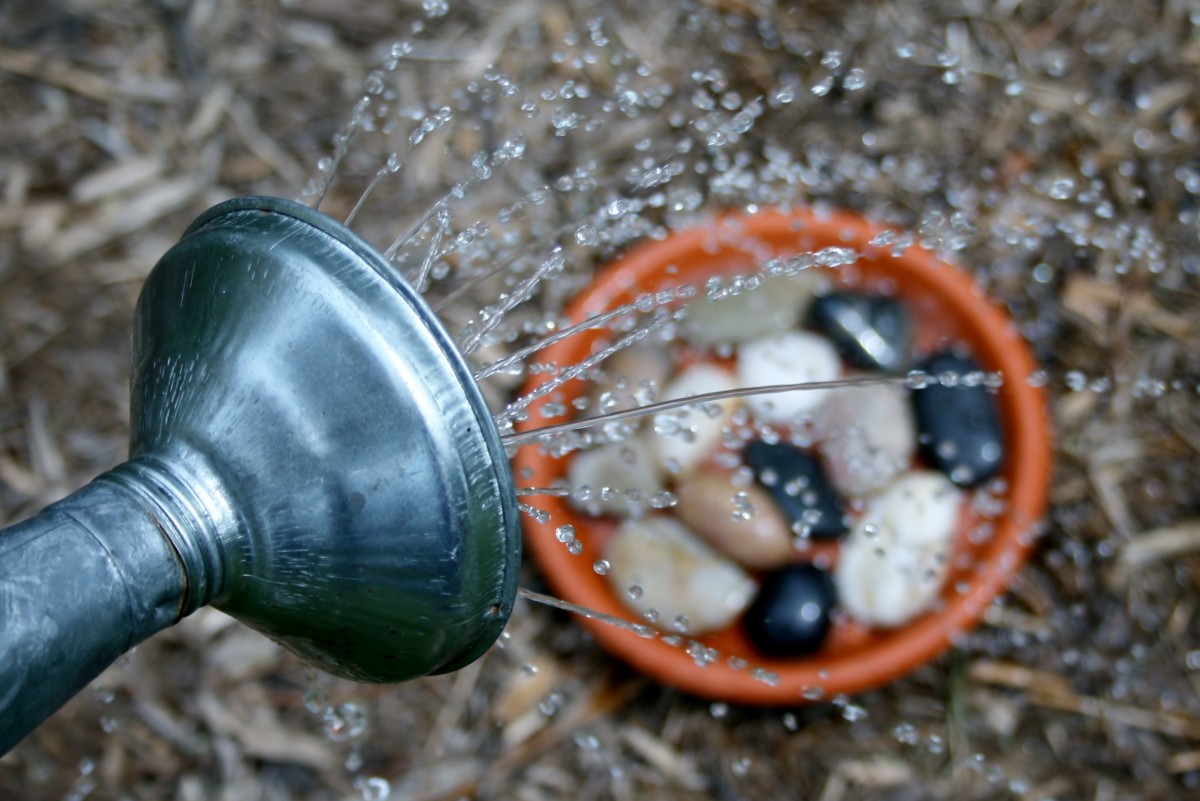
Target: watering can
point(308, 453)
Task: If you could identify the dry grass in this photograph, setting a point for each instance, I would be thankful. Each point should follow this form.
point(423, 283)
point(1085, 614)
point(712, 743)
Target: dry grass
point(120, 121)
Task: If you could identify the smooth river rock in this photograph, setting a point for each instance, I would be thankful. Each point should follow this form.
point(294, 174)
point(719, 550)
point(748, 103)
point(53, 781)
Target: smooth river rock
point(893, 564)
point(789, 357)
point(684, 438)
point(790, 616)
point(866, 436)
point(798, 486)
point(871, 332)
point(656, 564)
point(777, 303)
point(611, 472)
point(743, 523)
point(633, 377)
point(958, 426)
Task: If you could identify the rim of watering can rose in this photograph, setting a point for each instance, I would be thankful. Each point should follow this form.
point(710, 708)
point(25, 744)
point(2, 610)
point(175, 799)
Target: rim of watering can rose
point(948, 307)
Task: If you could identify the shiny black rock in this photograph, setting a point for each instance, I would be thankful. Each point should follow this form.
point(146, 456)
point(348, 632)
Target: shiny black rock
point(958, 426)
point(797, 483)
point(870, 332)
point(790, 616)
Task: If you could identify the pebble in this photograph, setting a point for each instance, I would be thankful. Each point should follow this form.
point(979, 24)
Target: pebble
point(622, 477)
point(790, 616)
point(892, 566)
point(657, 564)
point(777, 303)
point(871, 332)
point(743, 523)
point(634, 376)
point(797, 484)
point(866, 436)
point(958, 426)
point(790, 357)
point(684, 438)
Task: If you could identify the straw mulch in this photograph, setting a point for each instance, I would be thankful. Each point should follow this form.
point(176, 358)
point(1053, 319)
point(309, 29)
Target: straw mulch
point(1052, 145)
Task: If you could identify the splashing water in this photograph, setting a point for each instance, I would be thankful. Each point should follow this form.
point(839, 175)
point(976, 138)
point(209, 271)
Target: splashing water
point(608, 150)
point(1057, 167)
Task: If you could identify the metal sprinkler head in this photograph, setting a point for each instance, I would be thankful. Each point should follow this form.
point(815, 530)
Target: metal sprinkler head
point(309, 453)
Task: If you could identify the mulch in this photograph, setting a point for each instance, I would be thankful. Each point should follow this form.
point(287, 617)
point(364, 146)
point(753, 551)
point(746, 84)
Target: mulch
point(1052, 147)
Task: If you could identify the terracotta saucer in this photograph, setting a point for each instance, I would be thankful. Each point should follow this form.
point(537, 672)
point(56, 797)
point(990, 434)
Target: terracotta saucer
point(947, 307)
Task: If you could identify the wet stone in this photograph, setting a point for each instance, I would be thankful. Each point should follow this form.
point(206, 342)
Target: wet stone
point(611, 472)
point(633, 377)
point(743, 523)
point(867, 436)
point(789, 357)
point(656, 565)
point(797, 483)
point(892, 566)
point(790, 616)
point(958, 426)
point(684, 438)
point(870, 332)
point(775, 304)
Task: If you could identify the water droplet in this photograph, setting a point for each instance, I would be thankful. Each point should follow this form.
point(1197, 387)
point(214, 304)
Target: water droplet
point(344, 722)
point(435, 8)
point(374, 788)
point(315, 700)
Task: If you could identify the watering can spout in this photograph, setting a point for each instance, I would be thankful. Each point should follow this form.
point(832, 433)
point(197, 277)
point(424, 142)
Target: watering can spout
point(308, 453)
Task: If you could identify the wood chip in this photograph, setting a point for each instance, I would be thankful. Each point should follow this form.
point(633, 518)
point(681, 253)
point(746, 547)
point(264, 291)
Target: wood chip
point(1184, 762)
point(252, 722)
point(120, 177)
point(120, 219)
point(1159, 544)
point(877, 772)
point(1053, 691)
point(679, 768)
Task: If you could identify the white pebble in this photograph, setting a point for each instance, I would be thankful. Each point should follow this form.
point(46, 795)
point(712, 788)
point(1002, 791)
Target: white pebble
point(866, 436)
point(892, 565)
point(790, 357)
point(676, 575)
point(611, 471)
point(684, 438)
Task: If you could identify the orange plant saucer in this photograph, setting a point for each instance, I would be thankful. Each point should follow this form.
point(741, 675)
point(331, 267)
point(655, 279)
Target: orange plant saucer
point(946, 306)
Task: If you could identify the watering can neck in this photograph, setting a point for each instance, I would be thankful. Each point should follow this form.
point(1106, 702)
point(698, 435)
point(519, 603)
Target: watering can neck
point(194, 515)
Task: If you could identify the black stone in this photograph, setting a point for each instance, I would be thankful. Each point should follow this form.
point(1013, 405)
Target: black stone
point(799, 487)
point(790, 616)
point(958, 427)
point(870, 332)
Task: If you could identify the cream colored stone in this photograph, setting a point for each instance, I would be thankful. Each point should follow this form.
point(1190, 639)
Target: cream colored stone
point(866, 437)
point(892, 565)
point(658, 566)
point(633, 377)
point(612, 472)
point(684, 438)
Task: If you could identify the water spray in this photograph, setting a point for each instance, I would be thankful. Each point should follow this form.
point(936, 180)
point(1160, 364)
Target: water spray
point(309, 454)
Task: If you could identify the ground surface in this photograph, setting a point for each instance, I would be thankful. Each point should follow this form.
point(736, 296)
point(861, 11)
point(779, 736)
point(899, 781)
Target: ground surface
point(1053, 146)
